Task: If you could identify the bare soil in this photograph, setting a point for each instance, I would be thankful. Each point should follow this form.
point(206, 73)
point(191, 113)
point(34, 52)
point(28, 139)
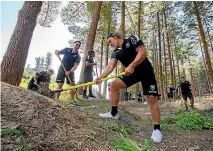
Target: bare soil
point(49, 127)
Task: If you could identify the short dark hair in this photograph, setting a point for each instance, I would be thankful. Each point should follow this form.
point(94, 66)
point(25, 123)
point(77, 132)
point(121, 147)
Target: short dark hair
point(91, 52)
point(51, 70)
point(77, 42)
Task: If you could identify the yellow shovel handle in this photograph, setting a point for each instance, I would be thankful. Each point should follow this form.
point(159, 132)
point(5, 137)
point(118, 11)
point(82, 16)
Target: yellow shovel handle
point(93, 82)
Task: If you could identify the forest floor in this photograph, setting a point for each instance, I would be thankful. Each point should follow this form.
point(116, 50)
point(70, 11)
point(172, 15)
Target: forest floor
point(47, 127)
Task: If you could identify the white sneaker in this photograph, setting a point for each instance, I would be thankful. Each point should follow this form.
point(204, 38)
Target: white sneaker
point(156, 136)
point(109, 115)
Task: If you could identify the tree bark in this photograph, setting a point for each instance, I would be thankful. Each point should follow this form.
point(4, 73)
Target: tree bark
point(173, 65)
point(204, 43)
point(14, 60)
point(101, 65)
point(165, 59)
point(192, 78)
point(139, 35)
point(91, 34)
point(169, 50)
point(210, 39)
point(160, 58)
point(207, 78)
point(107, 49)
point(176, 55)
point(123, 36)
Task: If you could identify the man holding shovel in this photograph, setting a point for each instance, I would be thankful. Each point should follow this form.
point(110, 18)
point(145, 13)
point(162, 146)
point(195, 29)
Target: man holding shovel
point(40, 77)
point(132, 53)
point(69, 64)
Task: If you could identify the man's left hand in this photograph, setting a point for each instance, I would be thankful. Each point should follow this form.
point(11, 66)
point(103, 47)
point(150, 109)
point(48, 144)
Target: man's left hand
point(129, 70)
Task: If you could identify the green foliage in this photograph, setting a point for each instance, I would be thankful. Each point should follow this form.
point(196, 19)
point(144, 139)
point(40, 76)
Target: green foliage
point(49, 13)
point(148, 145)
point(124, 143)
point(48, 61)
point(9, 131)
point(193, 121)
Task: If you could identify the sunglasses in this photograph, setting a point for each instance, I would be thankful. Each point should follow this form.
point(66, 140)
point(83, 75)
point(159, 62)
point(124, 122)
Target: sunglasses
point(77, 44)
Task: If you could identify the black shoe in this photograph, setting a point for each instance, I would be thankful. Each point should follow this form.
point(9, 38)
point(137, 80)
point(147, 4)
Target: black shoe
point(91, 96)
point(85, 96)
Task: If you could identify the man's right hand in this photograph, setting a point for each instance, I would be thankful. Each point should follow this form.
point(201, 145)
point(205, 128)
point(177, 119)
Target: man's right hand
point(68, 73)
point(57, 52)
point(98, 80)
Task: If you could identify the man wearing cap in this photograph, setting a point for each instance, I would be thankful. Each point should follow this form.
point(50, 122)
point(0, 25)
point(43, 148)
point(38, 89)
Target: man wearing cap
point(41, 77)
point(88, 73)
point(132, 53)
point(70, 61)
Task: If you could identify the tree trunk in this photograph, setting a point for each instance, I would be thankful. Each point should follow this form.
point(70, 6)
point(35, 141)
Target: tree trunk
point(14, 60)
point(173, 64)
point(107, 49)
point(204, 44)
point(160, 58)
point(192, 82)
point(184, 72)
point(106, 63)
point(207, 78)
point(176, 55)
point(169, 50)
point(123, 36)
point(191, 77)
point(91, 35)
point(139, 35)
point(165, 60)
point(101, 65)
point(210, 39)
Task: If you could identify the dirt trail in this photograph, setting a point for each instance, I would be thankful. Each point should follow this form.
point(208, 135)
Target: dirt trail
point(177, 141)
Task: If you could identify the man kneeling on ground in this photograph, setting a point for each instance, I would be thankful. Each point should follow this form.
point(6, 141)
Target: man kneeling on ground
point(42, 77)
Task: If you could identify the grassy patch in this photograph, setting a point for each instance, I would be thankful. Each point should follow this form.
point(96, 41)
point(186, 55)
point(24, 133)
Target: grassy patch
point(20, 135)
point(191, 121)
point(124, 143)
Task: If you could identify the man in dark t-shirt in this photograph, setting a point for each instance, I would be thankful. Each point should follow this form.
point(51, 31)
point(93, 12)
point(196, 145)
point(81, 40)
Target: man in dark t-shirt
point(42, 77)
point(131, 52)
point(186, 92)
point(71, 61)
point(88, 73)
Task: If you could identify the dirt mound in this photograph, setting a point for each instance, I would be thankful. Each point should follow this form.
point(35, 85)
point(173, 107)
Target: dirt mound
point(44, 125)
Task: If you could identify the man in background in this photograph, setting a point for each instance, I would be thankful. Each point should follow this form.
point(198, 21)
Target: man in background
point(88, 73)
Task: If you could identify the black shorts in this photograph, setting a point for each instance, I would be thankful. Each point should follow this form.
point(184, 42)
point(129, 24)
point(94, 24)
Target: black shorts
point(61, 77)
point(88, 77)
point(147, 79)
point(187, 95)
